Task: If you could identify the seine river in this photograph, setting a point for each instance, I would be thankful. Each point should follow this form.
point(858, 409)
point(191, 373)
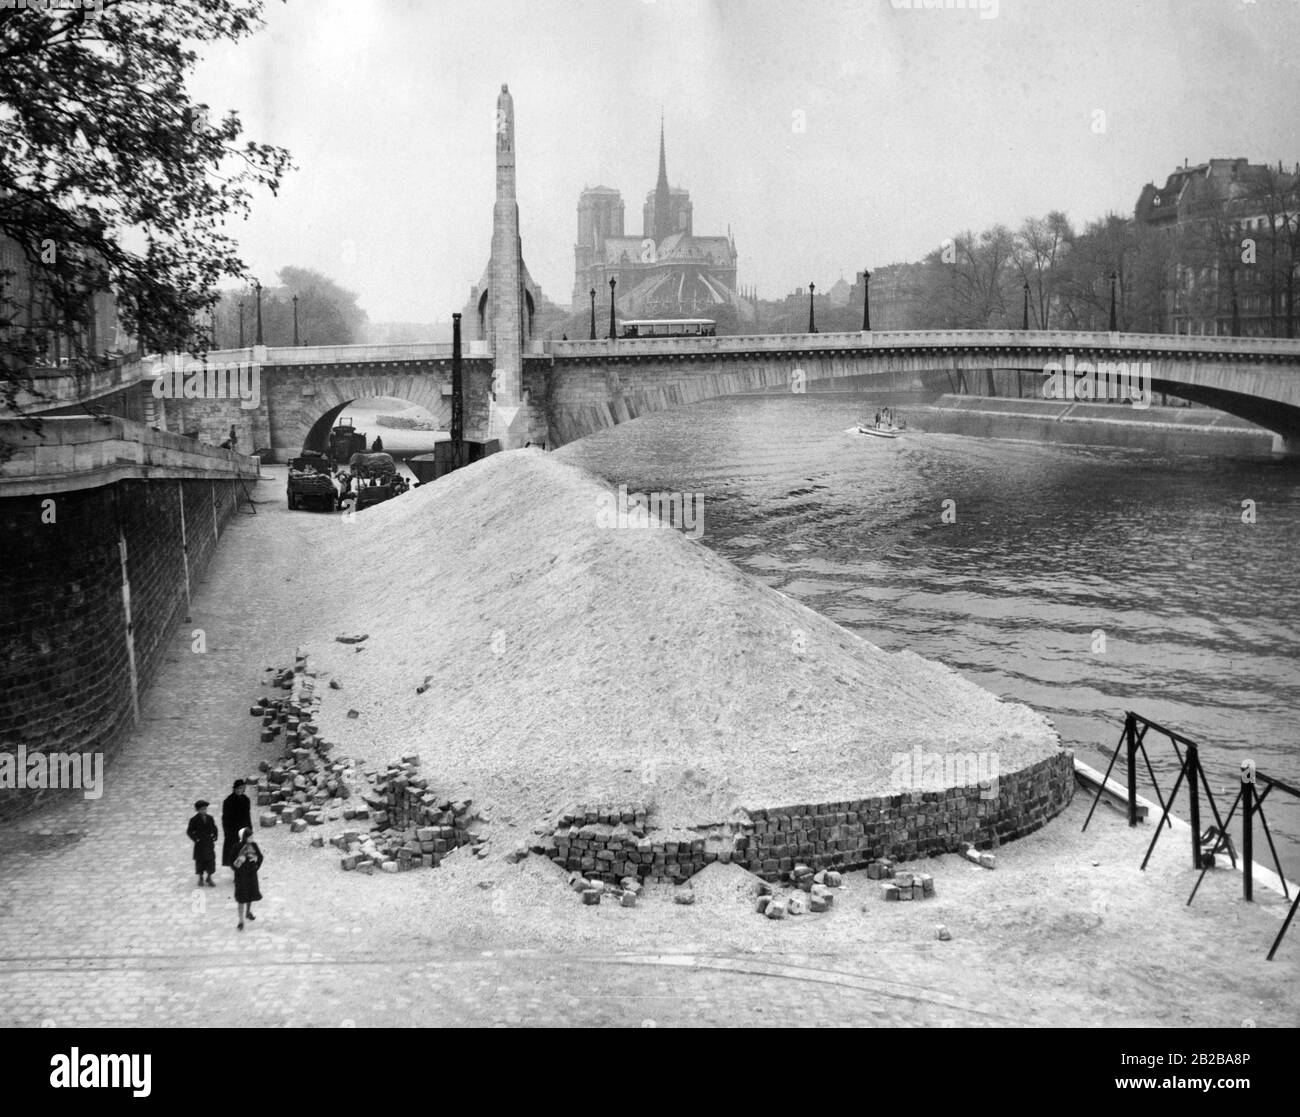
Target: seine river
point(1082, 581)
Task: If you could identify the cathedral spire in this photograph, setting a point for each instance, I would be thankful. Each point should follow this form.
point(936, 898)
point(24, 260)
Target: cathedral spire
point(662, 183)
point(662, 218)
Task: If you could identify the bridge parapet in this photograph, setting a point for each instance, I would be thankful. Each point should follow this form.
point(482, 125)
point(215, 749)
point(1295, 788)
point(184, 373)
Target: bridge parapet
point(956, 341)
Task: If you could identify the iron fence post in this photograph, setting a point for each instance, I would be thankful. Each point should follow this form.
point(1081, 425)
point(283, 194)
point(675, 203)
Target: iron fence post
point(1247, 833)
point(1195, 777)
point(1130, 739)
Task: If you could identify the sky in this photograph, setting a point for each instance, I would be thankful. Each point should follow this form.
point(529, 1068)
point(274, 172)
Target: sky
point(828, 135)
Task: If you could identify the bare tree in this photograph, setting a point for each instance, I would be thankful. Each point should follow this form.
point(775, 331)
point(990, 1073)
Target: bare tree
point(1037, 250)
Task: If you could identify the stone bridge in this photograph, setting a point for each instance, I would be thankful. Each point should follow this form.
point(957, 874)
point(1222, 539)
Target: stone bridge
point(573, 388)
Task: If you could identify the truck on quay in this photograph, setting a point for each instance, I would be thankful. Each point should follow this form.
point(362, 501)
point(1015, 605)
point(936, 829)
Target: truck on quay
point(374, 479)
point(345, 440)
point(310, 483)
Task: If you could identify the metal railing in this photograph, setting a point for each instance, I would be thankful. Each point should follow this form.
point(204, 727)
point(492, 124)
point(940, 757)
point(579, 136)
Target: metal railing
point(1205, 845)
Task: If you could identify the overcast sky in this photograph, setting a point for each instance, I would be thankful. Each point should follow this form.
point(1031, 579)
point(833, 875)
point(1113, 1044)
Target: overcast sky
point(828, 134)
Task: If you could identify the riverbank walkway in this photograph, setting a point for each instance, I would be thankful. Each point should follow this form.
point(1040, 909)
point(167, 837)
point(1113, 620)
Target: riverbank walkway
point(100, 922)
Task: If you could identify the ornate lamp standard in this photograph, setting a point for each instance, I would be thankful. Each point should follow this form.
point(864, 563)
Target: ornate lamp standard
point(593, 314)
point(1114, 277)
point(812, 324)
point(257, 287)
point(612, 282)
point(1025, 324)
point(866, 301)
point(295, 320)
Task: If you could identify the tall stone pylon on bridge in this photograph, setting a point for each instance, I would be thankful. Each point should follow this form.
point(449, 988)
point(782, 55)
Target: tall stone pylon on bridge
point(506, 292)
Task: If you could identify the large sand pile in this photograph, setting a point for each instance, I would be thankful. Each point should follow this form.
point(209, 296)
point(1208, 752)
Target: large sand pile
point(569, 663)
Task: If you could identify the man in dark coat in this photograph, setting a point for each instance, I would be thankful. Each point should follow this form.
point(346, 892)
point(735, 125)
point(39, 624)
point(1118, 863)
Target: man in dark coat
point(202, 831)
point(236, 815)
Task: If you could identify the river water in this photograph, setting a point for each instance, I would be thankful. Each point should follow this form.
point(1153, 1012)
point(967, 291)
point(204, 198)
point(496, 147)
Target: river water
point(1084, 581)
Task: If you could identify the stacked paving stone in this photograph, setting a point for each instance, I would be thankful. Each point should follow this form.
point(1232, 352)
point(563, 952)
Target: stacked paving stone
point(607, 843)
point(908, 886)
point(610, 843)
point(624, 892)
point(814, 893)
point(413, 826)
point(408, 825)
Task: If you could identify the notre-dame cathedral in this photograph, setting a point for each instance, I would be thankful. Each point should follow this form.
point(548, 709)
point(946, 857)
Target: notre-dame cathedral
point(667, 271)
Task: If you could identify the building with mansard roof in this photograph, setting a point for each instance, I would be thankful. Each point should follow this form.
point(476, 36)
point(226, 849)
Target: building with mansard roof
point(1234, 248)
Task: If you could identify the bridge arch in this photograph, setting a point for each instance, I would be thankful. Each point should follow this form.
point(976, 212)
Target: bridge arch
point(336, 395)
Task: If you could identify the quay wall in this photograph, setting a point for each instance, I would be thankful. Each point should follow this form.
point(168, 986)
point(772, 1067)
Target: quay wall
point(106, 527)
point(1188, 430)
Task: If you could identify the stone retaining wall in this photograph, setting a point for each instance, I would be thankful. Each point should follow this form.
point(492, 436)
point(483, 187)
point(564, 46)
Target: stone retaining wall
point(94, 582)
point(614, 842)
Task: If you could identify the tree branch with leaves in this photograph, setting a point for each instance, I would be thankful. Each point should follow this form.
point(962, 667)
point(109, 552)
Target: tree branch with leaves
point(113, 179)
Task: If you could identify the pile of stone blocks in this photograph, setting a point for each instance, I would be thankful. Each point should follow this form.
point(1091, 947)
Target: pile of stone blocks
point(908, 886)
point(293, 714)
point(304, 787)
point(413, 826)
point(813, 893)
point(625, 892)
point(406, 825)
point(609, 842)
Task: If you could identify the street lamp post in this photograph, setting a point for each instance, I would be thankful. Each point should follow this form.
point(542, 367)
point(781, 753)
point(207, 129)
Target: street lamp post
point(866, 301)
point(593, 314)
point(612, 282)
point(241, 324)
point(1024, 325)
point(295, 320)
point(1114, 276)
point(812, 322)
point(257, 287)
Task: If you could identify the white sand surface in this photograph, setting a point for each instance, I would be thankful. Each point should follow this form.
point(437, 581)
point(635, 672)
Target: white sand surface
point(573, 663)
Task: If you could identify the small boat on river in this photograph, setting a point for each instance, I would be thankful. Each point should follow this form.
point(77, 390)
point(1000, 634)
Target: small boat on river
point(883, 426)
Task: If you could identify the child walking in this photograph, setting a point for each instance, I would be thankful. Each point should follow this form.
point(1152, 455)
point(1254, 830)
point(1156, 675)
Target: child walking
point(247, 862)
point(202, 831)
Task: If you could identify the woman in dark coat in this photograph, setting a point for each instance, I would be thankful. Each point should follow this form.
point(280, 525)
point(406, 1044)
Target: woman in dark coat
point(202, 831)
point(236, 815)
point(247, 861)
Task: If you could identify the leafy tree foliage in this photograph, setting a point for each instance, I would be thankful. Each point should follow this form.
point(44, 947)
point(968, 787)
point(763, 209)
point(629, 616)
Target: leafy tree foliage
point(113, 179)
point(327, 313)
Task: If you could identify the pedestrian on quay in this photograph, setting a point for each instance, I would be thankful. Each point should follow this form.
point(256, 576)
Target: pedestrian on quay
point(247, 861)
point(202, 831)
point(236, 815)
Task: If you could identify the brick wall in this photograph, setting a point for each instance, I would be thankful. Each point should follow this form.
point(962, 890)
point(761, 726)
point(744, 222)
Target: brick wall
point(613, 842)
point(65, 679)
